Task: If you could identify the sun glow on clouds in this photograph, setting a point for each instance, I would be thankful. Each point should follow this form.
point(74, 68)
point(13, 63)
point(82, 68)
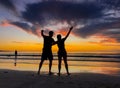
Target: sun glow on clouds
point(96, 24)
point(89, 44)
point(12, 39)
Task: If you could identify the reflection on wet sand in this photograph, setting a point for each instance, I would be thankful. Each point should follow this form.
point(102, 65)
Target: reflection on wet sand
point(110, 68)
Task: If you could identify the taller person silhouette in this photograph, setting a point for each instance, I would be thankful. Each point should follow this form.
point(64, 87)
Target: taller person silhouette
point(47, 50)
point(62, 51)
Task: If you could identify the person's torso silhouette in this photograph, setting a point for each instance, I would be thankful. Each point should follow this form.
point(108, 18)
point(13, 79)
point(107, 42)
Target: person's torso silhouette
point(47, 43)
point(47, 48)
point(61, 47)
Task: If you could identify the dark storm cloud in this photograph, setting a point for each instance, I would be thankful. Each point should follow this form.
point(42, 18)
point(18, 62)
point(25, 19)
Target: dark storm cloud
point(74, 13)
point(26, 27)
point(61, 11)
point(113, 34)
point(21, 25)
point(100, 28)
point(114, 4)
point(8, 4)
point(45, 11)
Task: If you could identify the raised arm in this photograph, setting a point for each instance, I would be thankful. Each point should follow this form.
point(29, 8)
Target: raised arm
point(42, 33)
point(55, 42)
point(68, 33)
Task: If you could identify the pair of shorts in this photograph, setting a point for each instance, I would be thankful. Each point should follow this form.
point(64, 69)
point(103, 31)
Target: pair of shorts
point(47, 55)
point(62, 54)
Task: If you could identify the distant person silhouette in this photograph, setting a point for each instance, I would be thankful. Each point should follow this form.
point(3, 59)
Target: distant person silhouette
point(47, 50)
point(15, 58)
point(62, 51)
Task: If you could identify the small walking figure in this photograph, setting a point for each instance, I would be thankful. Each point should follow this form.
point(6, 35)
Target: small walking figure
point(15, 58)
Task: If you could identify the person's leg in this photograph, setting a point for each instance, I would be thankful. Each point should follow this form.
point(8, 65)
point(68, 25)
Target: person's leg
point(66, 64)
point(15, 63)
point(40, 65)
point(59, 64)
point(50, 66)
point(50, 57)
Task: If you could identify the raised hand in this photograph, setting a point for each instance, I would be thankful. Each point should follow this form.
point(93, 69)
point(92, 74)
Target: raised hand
point(42, 33)
point(42, 30)
point(71, 28)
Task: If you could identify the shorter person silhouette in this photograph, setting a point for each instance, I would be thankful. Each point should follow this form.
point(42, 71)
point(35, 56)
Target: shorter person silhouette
point(15, 63)
point(62, 51)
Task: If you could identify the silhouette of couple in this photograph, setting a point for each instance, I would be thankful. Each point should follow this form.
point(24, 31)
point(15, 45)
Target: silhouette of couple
point(47, 51)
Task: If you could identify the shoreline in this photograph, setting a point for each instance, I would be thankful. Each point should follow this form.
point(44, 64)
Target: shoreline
point(30, 79)
point(117, 60)
point(55, 55)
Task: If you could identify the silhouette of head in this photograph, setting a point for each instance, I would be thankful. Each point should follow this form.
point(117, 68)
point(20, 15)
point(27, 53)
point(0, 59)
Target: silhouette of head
point(59, 37)
point(51, 33)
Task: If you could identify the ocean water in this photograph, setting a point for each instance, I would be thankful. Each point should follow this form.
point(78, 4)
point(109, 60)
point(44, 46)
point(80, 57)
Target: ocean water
point(103, 63)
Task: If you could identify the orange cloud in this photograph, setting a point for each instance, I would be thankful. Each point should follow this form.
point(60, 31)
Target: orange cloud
point(103, 40)
point(5, 23)
point(18, 42)
point(24, 27)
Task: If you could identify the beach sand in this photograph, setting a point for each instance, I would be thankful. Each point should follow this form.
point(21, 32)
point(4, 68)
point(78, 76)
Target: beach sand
point(27, 79)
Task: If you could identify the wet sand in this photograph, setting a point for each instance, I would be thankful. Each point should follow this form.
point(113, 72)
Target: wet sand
point(30, 79)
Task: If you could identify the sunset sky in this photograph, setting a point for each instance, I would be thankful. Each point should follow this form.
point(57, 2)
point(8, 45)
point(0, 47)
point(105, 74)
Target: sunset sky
point(96, 24)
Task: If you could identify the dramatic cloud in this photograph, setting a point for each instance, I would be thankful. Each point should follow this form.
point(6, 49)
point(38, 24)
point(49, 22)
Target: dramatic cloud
point(27, 27)
point(60, 11)
point(93, 16)
point(113, 34)
point(101, 29)
point(114, 4)
point(33, 29)
point(94, 28)
point(8, 4)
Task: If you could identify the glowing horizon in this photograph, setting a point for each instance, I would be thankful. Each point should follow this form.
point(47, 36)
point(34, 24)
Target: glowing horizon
point(29, 42)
